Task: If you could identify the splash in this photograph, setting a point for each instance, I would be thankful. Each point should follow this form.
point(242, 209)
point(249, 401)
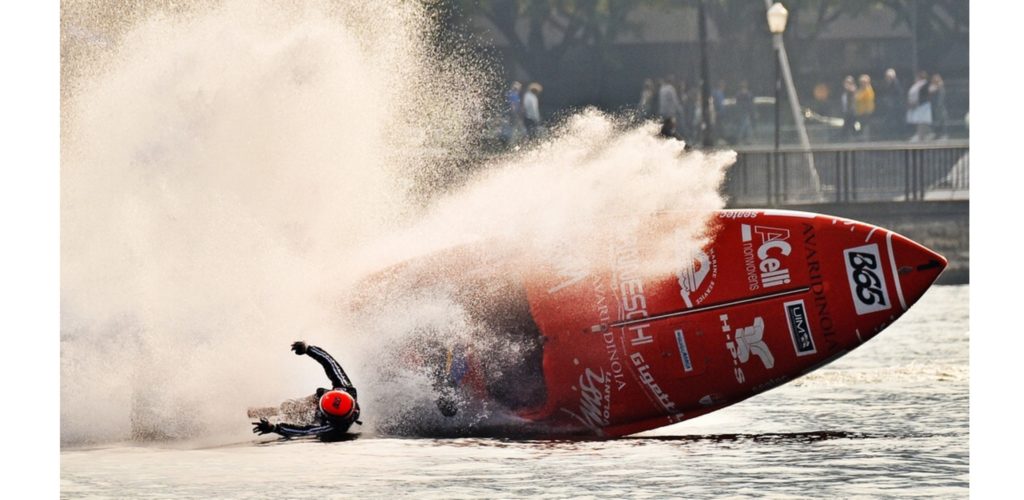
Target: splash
point(231, 169)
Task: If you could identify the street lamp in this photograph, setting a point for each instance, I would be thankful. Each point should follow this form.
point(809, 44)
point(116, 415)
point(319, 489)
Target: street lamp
point(705, 81)
point(777, 15)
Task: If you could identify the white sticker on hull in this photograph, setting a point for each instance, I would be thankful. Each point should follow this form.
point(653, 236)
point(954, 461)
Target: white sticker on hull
point(700, 270)
point(764, 256)
point(684, 353)
point(867, 281)
point(799, 327)
point(745, 341)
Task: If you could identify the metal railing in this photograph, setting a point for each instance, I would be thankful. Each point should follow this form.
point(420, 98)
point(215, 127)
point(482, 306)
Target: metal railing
point(861, 172)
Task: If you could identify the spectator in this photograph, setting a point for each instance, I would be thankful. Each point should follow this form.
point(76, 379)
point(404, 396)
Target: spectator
point(691, 121)
point(668, 128)
point(668, 100)
point(646, 105)
point(718, 101)
point(847, 100)
point(745, 114)
point(919, 108)
point(891, 105)
point(821, 95)
point(531, 109)
point(514, 108)
point(864, 103)
point(698, 112)
point(514, 101)
point(682, 129)
point(937, 91)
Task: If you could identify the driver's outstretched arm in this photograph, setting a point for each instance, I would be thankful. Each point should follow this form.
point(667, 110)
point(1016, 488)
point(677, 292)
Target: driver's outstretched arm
point(334, 371)
point(288, 430)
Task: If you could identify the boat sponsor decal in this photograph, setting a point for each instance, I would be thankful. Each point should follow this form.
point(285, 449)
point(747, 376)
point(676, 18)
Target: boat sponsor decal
point(738, 214)
point(630, 290)
point(700, 269)
point(864, 273)
point(819, 303)
point(595, 390)
point(644, 370)
point(684, 353)
point(617, 374)
point(638, 335)
point(744, 341)
point(799, 328)
point(601, 308)
point(763, 264)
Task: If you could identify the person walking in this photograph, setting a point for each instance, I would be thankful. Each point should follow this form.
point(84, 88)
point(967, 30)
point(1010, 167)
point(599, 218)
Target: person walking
point(847, 102)
point(891, 106)
point(531, 109)
point(668, 100)
point(745, 111)
point(514, 108)
point(919, 108)
point(693, 111)
point(864, 105)
point(645, 107)
point(940, 115)
point(718, 103)
point(684, 115)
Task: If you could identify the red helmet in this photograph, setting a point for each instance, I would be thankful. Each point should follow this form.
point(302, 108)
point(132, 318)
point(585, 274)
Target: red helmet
point(337, 403)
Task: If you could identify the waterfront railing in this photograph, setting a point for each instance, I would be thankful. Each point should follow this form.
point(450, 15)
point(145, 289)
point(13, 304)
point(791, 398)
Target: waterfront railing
point(862, 172)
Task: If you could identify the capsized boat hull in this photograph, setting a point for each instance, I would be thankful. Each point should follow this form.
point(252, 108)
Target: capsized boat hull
point(612, 351)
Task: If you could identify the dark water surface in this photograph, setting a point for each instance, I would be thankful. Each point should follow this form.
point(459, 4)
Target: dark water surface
point(888, 420)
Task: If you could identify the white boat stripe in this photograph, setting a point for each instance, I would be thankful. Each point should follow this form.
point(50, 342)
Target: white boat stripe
point(895, 272)
point(869, 234)
point(790, 213)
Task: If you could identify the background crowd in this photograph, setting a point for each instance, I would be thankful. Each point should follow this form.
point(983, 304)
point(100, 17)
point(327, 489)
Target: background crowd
point(859, 110)
point(522, 113)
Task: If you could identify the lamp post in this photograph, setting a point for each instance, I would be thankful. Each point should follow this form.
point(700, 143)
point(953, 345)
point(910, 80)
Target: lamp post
point(705, 85)
point(777, 15)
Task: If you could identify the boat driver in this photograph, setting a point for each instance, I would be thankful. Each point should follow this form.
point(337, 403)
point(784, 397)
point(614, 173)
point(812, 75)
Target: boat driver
point(337, 408)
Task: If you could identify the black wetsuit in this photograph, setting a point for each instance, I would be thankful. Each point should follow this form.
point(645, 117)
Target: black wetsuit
point(327, 427)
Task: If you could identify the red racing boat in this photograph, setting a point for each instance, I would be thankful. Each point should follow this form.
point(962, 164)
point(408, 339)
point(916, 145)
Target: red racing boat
point(611, 351)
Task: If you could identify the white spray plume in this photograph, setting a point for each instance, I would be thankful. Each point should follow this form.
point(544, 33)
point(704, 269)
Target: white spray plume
point(230, 169)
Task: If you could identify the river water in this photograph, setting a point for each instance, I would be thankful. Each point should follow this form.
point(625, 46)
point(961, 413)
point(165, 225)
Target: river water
point(888, 420)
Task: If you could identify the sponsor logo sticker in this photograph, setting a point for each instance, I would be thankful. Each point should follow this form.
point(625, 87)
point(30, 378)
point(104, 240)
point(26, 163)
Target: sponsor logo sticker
point(867, 283)
point(595, 390)
point(684, 353)
point(695, 274)
point(738, 214)
point(744, 341)
point(645, 376)
point(628, 285)
point(799, 328)
point(764, 248)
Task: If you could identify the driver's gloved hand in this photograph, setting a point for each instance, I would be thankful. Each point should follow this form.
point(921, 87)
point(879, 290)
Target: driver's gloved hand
point(263, 427)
